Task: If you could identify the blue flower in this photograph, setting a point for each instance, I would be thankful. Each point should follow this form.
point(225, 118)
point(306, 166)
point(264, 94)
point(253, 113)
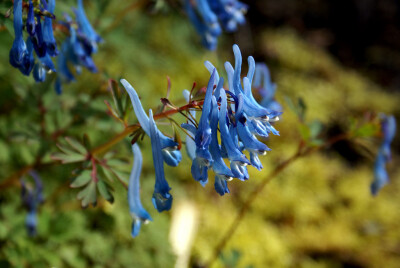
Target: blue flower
point(30, 21)
point(85, 27)
point(39, 72)
point(162, 199)
point(206, 16)
point(267, 89)
point(229, 12)
point(138, 213)
point(48, 36)
point(258, 116)
point(31, 198)
point(388, 127)
point(236, 157)
point(170, 152)
point(209, 31)
point(222, 172)
point(202, 138)
point(18, 49)
point(190, 144)
point(37, 39)
point(249, 141)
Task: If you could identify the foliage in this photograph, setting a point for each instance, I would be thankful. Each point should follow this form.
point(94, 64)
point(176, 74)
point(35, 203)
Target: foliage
point(317, 213)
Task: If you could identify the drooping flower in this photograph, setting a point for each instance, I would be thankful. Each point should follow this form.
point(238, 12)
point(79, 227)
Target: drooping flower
point(202, 138)
point(48, 36)
point(18, 49)
point(170, 151)
point(30, 21)
point(86, 28)
point(32, 198)
point(162, 199)
point(267, 89)
point(190, 144)
point(237, 159)
point(206, 16)
point(222, 172)
point(381, 177)
point(139, 214)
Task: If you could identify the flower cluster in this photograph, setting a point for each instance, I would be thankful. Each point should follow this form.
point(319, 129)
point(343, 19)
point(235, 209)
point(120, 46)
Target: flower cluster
point(40, 39)
point(207, 15)
point(232, 116)
point(388, 128)
point(266, 88)
point(77, 48)
point(31, 199)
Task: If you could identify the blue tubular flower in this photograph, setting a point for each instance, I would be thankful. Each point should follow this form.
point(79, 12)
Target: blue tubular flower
point(209, 35)
point(30, 21)
point(190, 144)
point(267, 89)
point(202, 138)
point(237, 158)
point(18, 49)
point(388, 127)
point(48, 37)
point(170, 152)
point(37, 39)
point(31, 198)
point(78, 55)
point(39, 72)
point(249, 140)
point(229, 12)
point(258, 115)
point(205, 15)
point(28, 60)
point(85, 26)
point(162, 200)
point(138, 213)
point(222, 172)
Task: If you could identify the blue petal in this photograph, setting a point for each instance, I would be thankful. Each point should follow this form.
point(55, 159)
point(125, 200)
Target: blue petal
point(203, 134)
point(30, 21)
point(18, 49)
point(162, 200)
point(48, 36)
point(220, 185)
point(381, 177)
point(138, 213)
point(86, 27)
point(218, 165)
point(200, 167)
point(37, 39)
point(231, 148)
point(255, 161)
point(39, 72)
point(172, 156)
point(190, 144)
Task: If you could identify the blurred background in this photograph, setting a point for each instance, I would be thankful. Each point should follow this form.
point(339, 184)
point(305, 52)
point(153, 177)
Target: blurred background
point(342, 58)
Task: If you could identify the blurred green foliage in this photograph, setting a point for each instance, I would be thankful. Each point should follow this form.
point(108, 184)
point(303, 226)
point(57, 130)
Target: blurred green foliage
point(317, 213)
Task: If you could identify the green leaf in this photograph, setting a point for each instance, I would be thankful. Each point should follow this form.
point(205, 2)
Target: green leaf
point(86, 142)
point(76, 145)
point(104, 191)
point(66, 158)
point(304, 131)
point(315, 128)
point(116, 94)
point(108, 173)
point(88, 195)
point(302, 107)
point(82, 179)
point(366, 130)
